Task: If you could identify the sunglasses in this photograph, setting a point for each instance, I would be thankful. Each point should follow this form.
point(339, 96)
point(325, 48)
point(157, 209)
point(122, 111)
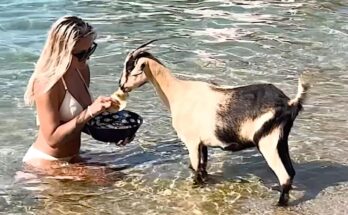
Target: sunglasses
point(85, 54)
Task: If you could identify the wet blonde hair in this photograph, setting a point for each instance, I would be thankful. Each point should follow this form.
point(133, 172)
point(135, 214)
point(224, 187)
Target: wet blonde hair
point(56, 56)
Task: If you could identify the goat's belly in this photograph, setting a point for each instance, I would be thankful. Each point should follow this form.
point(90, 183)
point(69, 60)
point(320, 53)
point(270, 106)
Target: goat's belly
point(195, 137)
point(238, 146)
point(214, 142)
point(194, 131)
point(193, 134)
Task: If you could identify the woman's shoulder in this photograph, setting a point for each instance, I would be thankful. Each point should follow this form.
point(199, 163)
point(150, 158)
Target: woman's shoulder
point(57, 91)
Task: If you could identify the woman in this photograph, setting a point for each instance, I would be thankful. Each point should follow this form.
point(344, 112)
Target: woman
point(59, 89)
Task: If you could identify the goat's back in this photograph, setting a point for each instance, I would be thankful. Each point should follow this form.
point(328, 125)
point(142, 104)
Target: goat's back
point(245, 106)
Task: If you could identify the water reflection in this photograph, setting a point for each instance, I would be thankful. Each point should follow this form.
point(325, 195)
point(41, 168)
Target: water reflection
point(312, 177)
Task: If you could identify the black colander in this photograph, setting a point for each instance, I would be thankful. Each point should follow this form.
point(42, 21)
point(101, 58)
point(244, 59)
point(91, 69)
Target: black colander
point(113, 127)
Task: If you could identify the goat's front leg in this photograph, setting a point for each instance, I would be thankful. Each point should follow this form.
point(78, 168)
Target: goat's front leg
point(204, 159)
point(195, 159)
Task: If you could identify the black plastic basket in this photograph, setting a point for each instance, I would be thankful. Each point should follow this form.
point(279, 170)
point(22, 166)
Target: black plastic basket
point(113, 127)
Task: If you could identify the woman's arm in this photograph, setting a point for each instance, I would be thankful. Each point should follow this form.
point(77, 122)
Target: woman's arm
point(55, 133)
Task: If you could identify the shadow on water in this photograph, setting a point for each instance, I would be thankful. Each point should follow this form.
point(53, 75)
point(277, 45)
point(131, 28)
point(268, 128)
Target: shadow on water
point(311, 177)
point(160, 154)
point(316, 176)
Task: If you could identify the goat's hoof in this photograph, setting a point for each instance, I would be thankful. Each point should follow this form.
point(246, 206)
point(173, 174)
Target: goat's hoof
point(204, 175)
point(284, 195)
point(198, 181)
point(197, 184)
point(283, 200)
point(282, 204)
point(194, 185)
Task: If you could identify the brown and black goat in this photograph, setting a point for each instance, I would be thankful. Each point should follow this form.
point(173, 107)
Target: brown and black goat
point(258, 115)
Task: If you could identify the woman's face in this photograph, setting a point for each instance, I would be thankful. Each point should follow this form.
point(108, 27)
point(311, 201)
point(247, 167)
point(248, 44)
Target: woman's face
point(83, 49)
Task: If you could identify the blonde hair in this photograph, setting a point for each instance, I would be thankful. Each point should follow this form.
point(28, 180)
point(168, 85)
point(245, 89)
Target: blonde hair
point(56, 56)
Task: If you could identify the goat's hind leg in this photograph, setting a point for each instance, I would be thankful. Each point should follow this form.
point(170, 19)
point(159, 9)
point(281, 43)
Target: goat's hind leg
point(274, 148)
point(283, 150)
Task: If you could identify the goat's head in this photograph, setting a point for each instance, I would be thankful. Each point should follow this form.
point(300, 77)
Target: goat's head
point(133, 74)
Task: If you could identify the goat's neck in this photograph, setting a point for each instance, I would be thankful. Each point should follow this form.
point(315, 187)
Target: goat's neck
point(164, 82)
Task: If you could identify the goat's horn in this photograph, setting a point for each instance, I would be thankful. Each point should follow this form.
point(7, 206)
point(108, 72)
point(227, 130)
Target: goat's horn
point(132, 55)
point(145, 44)
point(142, 47)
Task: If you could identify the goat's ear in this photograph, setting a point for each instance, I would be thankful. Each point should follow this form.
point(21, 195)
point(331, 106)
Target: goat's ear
point(139, 71)
point(142, 66)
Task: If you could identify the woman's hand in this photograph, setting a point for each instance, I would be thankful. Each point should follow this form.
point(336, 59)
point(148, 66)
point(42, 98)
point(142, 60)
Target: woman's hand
point(101, 104)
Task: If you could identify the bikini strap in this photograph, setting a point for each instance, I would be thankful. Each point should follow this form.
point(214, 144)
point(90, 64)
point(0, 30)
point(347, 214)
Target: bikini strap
point(84, 82)
point(65, 87)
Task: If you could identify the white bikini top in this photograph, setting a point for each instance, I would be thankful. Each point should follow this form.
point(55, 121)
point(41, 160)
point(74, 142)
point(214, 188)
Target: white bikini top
point(70, 107)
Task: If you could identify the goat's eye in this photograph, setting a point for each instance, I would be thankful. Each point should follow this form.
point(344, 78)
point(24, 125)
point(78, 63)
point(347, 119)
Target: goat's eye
point(129, 67)
point(142, 66)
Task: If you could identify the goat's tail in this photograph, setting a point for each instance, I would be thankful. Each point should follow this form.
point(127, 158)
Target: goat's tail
point(301, 95)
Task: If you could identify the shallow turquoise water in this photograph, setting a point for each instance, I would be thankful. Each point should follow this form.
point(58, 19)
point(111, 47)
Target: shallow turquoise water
point(231, 43)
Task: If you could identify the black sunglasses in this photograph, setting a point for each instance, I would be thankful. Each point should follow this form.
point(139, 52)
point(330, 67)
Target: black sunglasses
point(83, 55)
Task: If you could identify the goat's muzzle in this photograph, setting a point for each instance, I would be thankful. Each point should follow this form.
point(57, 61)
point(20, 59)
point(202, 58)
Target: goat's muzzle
point(124, 89)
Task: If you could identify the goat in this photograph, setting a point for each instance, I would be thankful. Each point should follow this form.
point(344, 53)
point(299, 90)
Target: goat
point(232, 118)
